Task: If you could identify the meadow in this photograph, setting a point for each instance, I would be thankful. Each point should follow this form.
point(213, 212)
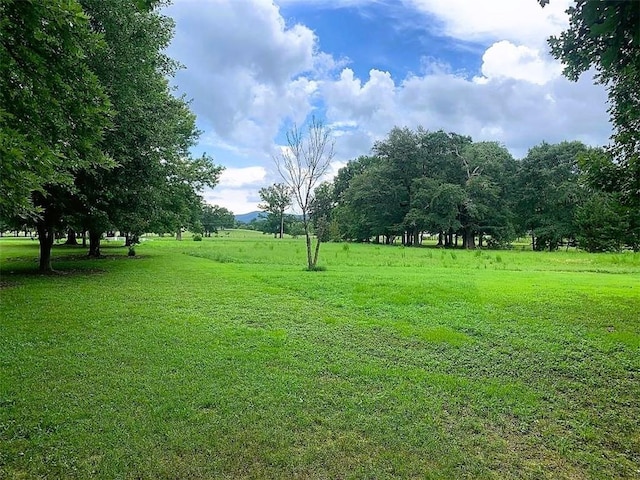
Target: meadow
point(226, 359)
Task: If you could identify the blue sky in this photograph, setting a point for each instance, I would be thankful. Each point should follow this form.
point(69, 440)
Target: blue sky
point(475, 67)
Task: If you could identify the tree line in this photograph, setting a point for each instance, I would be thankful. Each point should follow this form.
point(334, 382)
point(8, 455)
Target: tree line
point(91, 136)
point(471, 194)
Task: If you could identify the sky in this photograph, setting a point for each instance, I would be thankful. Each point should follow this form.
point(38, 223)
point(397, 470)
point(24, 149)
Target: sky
point(481, 68)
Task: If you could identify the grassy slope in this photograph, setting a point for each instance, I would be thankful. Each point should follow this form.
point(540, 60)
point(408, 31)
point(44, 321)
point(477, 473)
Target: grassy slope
point(224, 359)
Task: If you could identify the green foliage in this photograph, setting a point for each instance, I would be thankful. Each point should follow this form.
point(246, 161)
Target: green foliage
point(548, 193)
point(426, 181)
point(197, 237)
point(52, 109)
point(276, 199)
point(214, 218)
point(606, 35)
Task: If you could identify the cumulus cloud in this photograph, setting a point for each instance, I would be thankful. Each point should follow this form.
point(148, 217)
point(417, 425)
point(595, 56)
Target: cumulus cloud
point(516, 112)
point(244, 66)
point(520, 21)
point(506, 60)
point(238, 177)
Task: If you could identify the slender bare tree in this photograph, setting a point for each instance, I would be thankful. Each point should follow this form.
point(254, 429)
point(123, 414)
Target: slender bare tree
point(302, 163)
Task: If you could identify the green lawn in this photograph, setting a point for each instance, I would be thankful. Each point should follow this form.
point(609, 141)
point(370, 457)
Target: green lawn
point(225, 359)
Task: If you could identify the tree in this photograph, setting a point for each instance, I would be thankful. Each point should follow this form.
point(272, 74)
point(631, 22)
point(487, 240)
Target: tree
point(214, 217)
point(155, 186)
point(321, 211)
point(302, 163)
point(53, 112)
point(276, 199)
point(549, 194)
point(606, 35)
point(606, 222)
point(489, 171)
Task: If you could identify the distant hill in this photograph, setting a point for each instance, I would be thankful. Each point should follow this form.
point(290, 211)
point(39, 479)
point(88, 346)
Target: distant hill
point(247, 217)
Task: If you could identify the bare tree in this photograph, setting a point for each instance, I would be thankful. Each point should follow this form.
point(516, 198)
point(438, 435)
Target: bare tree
point(302, 164)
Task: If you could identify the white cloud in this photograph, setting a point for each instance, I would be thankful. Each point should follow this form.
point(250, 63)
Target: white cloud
point(516, 112)
point(239, 177)
point(520, 21)
point(246, 70)
point(237, 200)
point(506, 60)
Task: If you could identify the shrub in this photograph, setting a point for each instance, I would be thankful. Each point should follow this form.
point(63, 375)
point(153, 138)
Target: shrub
point(197, 237)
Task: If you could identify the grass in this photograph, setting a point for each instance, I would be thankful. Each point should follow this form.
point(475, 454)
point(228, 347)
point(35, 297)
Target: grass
point(226, 359)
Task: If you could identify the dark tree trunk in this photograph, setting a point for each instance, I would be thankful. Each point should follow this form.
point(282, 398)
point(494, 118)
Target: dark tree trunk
point(480, 239)
point(308, 240)
point(46, 236)
point(71, 237)
point(440, 239)
point(468, 239)
point(416, 237)
point(179, 234)
point(94, 243)
point(281, 223)
point(84, 238)
point(448, 241)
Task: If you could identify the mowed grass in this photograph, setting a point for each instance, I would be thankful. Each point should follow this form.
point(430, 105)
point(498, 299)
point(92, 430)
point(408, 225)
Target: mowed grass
point(225, 359)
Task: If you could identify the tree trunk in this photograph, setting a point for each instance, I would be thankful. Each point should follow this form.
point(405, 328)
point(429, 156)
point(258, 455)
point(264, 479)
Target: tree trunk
point(469, 239)
point(94, 243)
point(480, 239)
point(416, 237)
point(179, 234)
point(45, 238)
point(84, 238)
point(308, 239)
point(440, 239)
point(71, 237)
point(315, 255)
point(281, 224)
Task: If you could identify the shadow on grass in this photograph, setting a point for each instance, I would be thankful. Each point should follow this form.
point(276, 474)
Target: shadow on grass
point(14, 269)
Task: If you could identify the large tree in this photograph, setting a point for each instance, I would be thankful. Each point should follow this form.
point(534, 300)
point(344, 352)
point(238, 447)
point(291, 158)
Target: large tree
point(605, 35)
point(302, 163)
point(548, 193)
point(155, 184)
point(53, 111)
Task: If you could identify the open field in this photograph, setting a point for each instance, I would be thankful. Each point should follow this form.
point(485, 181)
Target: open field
point(225, 359)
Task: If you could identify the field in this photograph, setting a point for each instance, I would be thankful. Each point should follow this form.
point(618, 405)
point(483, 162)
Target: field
point(225, 359)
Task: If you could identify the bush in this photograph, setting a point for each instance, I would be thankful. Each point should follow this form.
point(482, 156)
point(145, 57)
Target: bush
point(197, 237)
point(132, 251)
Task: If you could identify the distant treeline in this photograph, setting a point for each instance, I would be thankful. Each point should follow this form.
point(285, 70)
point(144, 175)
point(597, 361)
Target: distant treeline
point(476, 194)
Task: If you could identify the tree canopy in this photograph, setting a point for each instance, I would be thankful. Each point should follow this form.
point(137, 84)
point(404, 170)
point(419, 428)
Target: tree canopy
point(90, 133)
